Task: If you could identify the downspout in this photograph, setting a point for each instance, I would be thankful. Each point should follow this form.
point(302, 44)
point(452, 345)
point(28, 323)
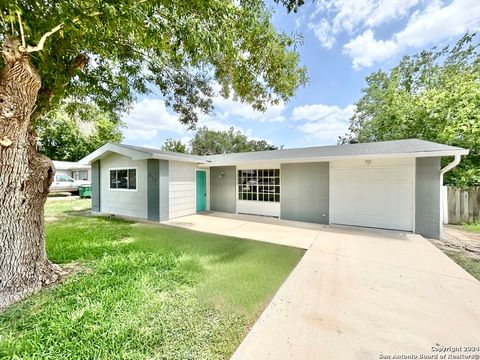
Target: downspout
point(443, 171)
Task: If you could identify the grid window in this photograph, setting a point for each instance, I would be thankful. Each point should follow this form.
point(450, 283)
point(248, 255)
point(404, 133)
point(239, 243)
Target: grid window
point(123, 179)
point(80, 175)
point(259, 185)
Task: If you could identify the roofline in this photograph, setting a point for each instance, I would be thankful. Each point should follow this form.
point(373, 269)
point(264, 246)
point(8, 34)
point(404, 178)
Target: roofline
point(135, 154)
point(218, 160)
point(341, 157)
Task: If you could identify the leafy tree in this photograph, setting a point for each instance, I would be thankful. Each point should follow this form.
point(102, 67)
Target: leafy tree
point(175, 146)
point(106, 52)
point(435, 96)
point(72, 137)
point(211, 142)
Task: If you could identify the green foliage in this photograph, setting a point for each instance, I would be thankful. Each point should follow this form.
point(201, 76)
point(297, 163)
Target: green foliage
point(73, 135)
point(144, 291)
point(175, 146)
point(211, 142)
point(176, 46)
point(291, 5)
point(435, 96)
point(472, 227)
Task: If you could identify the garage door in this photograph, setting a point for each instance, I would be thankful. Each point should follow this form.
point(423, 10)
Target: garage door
point(366, 194)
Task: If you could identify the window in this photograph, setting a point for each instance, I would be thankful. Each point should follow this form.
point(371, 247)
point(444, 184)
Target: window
point(259, 185)
point(80, 175)
point(63, 177)
point(123, 179)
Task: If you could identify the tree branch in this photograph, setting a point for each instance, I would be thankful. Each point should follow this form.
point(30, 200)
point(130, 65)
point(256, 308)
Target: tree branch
point(22, 35)
point(41, 43)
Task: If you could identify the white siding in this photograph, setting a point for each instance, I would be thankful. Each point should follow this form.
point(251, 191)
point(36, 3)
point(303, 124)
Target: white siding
point(182, 188)
point(123, 202)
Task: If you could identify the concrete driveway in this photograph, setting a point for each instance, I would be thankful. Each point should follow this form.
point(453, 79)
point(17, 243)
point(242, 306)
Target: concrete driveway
point(356, 294)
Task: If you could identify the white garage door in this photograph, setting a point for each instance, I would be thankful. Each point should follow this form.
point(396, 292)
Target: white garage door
point(375, 193)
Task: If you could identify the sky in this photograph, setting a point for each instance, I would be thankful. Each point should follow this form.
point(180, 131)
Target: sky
point(343, 42)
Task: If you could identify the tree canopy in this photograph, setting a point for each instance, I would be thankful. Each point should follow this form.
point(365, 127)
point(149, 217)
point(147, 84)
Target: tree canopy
point(175, 146)
point(214, 142)
point(433, 95)
point(70, 137)
point(109, 51)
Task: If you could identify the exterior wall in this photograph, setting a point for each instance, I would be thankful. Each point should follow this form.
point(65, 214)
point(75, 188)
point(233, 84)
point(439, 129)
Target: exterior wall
point(122, 201)
point(153, 190)
point(223, 189)
point(304, 192)
point(427, 197)
point(96, 186)
point(182, 189)
point(164, 191)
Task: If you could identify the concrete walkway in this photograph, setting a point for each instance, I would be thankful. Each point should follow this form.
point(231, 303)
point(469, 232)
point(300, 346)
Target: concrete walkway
point(357, 294)
point(283, 232)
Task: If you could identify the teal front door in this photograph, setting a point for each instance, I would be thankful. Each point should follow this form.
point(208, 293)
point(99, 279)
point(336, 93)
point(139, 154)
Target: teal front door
point(201, 191)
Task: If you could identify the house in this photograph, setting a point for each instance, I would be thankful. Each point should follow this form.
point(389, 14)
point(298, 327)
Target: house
point(392, 185)
point(76, 170)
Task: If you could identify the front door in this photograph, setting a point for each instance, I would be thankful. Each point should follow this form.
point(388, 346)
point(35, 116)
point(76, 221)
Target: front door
point(201, 191)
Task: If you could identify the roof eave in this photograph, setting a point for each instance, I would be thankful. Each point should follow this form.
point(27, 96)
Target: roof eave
point(343, 157)
point(179, 158)
point(117, 149)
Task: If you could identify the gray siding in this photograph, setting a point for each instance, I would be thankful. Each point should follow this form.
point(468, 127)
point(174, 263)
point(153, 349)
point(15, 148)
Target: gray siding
point(121, 201)
point(96, 186)
point(222, 189)
point(153, 190)
point(305, 192)
point(164, 191)
point(427, 197)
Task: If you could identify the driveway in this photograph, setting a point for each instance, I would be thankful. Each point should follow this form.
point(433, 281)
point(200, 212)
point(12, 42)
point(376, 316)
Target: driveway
point(356, 294)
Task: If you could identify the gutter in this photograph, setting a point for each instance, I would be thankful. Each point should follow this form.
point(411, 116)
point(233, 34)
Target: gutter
point(450, 166)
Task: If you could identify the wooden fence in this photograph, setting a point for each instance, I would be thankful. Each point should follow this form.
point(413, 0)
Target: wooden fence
point(463, 205)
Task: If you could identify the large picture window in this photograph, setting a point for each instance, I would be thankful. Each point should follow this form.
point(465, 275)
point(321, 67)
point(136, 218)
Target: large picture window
point(123, 179)
point(259, 185)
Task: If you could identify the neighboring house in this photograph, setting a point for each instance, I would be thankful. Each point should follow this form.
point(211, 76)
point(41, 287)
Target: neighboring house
point(76, 170)
point(391, 185)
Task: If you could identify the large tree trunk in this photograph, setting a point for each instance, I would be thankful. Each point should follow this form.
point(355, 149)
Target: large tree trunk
point(25, 176)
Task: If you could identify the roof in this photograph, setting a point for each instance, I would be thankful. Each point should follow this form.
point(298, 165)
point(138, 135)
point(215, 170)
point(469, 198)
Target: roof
point(395, 148)
point(69, 165)
point(141, 153)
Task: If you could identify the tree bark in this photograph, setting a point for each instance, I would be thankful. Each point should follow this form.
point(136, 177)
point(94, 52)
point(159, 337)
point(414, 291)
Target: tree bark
point(25, 177)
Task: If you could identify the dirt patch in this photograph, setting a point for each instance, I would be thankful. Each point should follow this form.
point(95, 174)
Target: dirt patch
point(455, 238)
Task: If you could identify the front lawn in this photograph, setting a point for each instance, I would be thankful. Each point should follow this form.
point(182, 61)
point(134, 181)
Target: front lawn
point(143, 291)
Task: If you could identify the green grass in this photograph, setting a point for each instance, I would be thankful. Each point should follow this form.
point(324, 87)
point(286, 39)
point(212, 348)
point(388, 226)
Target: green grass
point(472, 227)
point(56, 209)
point(471, 265)
point(144, 291)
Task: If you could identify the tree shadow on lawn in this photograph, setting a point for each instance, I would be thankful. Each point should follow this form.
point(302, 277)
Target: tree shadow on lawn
point(153, 291)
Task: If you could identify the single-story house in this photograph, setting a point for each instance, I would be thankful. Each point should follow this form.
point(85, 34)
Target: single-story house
point(76, 170)
point(391, 185)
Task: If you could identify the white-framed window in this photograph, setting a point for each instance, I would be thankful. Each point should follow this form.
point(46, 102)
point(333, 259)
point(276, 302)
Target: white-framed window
point(80, 175)
point(123, 179)
point(259, 185)
point(63, 178)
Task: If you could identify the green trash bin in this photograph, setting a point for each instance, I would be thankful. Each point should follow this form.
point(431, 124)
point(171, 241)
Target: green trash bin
point(85, 191)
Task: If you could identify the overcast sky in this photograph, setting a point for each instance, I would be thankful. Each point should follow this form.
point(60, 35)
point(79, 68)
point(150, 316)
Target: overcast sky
point(344, 41)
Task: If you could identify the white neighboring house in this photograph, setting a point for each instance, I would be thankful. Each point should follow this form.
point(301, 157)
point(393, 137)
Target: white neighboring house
point(70, 175)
